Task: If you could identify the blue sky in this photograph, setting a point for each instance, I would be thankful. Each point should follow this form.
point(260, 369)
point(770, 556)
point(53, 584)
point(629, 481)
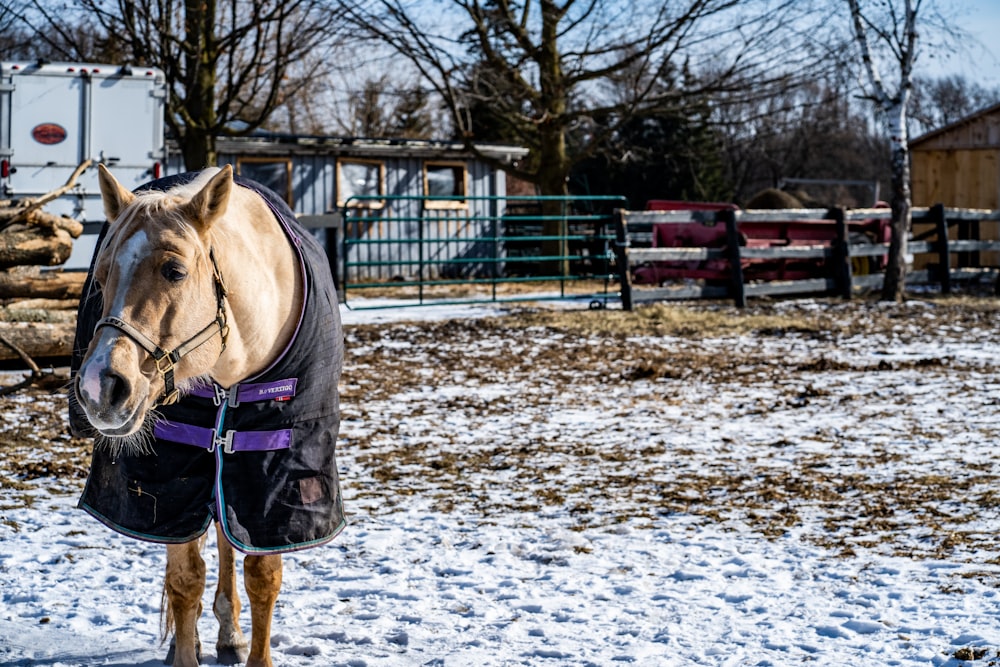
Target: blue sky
point(979, 61)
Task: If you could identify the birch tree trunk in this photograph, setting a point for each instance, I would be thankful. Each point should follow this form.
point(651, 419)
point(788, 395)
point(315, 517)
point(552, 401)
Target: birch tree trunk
point(894, 287)
point(901, 43)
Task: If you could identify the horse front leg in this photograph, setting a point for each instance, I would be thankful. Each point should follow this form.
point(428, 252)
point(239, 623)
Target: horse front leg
point(232, 645)
point(184, 584)
point(262, 577)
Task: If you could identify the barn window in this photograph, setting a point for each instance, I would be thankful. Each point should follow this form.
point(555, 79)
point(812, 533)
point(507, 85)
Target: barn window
point(445, 179)
point(360, 178)
point(274, 173)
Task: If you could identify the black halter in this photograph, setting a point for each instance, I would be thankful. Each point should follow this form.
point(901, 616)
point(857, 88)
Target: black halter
point(167, 360)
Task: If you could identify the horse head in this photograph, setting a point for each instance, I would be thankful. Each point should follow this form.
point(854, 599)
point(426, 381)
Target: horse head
point(164, 320)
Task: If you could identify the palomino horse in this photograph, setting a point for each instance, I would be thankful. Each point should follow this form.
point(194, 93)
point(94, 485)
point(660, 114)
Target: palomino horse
point(208, 352)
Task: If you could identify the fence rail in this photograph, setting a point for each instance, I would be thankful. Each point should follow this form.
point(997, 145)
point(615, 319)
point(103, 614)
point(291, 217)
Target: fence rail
point(431, 250)
point(831, 266)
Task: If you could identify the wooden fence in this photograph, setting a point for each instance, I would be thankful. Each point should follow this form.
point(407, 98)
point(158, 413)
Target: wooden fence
point(844, 262)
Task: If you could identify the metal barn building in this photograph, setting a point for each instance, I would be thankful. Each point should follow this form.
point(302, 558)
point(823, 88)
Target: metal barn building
point(318, 175)
point(388, 190)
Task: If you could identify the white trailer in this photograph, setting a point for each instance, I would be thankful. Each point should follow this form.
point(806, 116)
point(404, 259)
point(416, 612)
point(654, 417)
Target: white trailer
point(55, 116)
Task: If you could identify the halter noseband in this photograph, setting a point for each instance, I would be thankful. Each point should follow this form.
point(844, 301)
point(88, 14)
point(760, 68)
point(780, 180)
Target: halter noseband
point(166, 360)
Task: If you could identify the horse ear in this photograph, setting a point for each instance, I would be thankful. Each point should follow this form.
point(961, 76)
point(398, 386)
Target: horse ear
point(115, 197)
point(211, 201)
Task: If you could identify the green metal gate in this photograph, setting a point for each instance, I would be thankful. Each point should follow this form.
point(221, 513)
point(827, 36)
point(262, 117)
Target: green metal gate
point(410, 250)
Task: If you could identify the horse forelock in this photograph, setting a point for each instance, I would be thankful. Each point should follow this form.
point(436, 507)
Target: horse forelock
point(153, 211)
point(140, 228)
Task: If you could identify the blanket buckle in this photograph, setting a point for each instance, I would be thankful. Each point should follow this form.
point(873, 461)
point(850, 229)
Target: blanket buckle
point(220, 395)
point(234, 396)
point(224, 441)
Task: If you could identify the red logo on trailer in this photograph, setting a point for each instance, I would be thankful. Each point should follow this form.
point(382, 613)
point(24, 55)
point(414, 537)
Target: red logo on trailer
point(48, 133)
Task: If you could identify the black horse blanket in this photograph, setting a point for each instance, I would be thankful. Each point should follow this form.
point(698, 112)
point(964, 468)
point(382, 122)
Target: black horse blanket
point(258, 457)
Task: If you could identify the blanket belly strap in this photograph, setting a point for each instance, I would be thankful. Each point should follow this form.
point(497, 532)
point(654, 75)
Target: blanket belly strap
point(231, 441)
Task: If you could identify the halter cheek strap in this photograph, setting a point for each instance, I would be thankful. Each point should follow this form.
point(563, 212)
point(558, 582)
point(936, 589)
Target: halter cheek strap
point(166, 360)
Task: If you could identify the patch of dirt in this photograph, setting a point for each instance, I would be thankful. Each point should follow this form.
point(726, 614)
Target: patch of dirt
point(843, 498)
point(476, 415)
point(35, 445)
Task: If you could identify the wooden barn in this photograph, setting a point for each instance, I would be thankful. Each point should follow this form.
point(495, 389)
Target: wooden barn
point(959, 166)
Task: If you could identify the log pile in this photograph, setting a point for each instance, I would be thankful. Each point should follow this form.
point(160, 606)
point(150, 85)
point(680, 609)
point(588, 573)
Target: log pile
point(37, 307)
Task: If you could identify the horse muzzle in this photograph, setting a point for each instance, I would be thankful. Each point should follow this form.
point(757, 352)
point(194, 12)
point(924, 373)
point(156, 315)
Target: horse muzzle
point(114, 404)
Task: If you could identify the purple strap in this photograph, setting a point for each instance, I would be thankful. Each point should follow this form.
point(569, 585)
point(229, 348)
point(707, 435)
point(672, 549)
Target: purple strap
point(232, 441)
point(278, 390)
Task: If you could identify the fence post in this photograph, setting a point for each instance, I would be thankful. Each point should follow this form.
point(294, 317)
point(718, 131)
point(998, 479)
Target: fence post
point(345, 248)
point(843, 272)
point(728, 216)
point(944, 253)
point(621, 258)
point(421, 278)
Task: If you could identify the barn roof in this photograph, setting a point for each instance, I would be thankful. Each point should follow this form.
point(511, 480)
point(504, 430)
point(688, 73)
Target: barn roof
point(965, 125)
point(270, 144)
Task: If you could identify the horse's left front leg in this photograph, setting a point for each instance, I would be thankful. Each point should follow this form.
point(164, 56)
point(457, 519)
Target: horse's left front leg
point(262, 576)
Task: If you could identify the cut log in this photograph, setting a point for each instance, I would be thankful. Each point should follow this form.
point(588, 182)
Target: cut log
point(29, 208)
point(38, 218)
point(50, 221)
point(40, 310)
point(34, 247)
point(17, 284)
point(41, 305)
point(36, 339)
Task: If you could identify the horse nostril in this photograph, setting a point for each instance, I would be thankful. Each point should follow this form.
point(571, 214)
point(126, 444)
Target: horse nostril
point(117, 388)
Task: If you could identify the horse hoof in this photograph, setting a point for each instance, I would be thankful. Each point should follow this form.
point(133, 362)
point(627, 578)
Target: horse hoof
point(232, 655)
point(169, 660)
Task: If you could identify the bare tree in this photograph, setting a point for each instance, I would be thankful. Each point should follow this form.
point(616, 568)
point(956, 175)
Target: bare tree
point(18, 41)
point(562, 76)
point(937, 102)
point(381, 109)
point(565, 75)
point(14, 43)
point(890, 26)
point(815, 131)
point(228, 64)
point(309, 111)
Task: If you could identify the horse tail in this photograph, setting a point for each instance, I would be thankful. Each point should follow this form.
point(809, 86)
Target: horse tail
point(166, 615)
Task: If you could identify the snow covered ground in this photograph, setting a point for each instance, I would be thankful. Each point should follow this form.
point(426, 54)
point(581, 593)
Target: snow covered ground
point(537, 493)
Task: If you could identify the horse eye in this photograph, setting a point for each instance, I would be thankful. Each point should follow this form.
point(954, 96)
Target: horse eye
point(173, 272)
